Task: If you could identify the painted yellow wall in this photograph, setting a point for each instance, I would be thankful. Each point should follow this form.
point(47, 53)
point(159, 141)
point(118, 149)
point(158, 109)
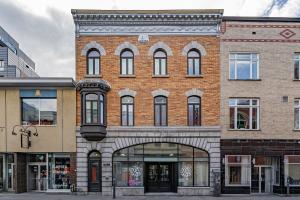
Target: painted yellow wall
point(58, 138)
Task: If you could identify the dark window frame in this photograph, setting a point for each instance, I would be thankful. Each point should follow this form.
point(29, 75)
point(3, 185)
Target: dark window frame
point(194, 58)
point(94, 58)
point(160, 110)
point(188, 111)
point(160, 62)
point(99, 111)
point(127, 63)
point(127, 113)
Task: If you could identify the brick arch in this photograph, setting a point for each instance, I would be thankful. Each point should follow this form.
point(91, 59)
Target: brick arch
point(93, 45)
point(193, 45)
point(200, 143)
point(126, 45)
point(160, 45)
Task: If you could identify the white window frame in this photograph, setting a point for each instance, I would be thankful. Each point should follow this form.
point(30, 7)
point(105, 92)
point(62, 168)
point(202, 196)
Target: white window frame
point(286, 169)
point(235, 65)
point(236, 106)
point(297, 59)
point(298, 108)
point(227, 164)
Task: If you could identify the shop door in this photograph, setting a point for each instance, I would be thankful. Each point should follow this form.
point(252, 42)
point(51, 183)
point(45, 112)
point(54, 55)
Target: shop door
point(261, 180)
point(160, 177)
point(37, 178)
point(94, 172)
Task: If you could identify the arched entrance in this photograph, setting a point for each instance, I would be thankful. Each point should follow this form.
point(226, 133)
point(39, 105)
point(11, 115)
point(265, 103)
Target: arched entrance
point(94, 172)
point(161, 167)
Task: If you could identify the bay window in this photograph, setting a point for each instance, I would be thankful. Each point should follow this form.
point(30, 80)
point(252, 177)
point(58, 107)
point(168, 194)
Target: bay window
point(39, 107)
point(244, 114)
point(244, 66)
point(94, 108)
point(237, 170)
point(292, 169)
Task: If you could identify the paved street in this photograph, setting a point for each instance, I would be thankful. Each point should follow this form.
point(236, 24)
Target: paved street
point(41, 196)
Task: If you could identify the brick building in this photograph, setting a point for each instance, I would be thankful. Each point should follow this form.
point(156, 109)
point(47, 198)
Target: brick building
point(148, 100)
point(260, 146)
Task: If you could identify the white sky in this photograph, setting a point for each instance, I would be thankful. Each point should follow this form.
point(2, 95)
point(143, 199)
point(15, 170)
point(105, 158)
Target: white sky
point(33, 27)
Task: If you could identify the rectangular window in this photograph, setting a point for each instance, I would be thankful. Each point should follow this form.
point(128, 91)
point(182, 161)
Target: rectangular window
point(237, 170)
point(297, 114)
point(1, 65)
point(292, 169)
point(244, 114)
point(243, 66)
point(297, 66)
point(39, 107)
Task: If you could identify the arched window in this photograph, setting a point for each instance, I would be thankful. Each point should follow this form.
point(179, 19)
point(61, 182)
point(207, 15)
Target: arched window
point(160, 62)
point(194, 111)
point(94, 109)
point(127, 67)
point(93, 62)
point(127, 111)
point(194, 62)
point(160, 111)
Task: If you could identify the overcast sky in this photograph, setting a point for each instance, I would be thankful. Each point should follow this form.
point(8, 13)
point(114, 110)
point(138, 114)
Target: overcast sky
point(45, 29)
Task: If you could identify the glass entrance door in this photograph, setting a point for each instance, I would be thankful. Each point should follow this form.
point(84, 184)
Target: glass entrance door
point(37, 177)
point(160, 177)
point(261, 181)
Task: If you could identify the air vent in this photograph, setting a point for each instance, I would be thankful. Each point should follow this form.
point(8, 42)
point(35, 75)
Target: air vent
point(253, 33)
point(285, 99)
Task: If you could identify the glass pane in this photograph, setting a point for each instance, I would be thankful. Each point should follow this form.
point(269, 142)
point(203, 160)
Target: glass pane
point(243, 56)
point(185, 152)
point(91, 97)
point(127, 100)
point(194, 100)
point(48, 112)
point(254, 56)
point(121, 155)
point(197, 66)
point(94, 53)
point(243, 69)
point(163, 115)
point(121, 170)
point(232, 116)
point(235, 174)
point(296, 118)
point(196, 115)
point(193, 54)
point(160, 152)
point(30, 111)
point(136, 153)
point(135, 174)
point(254, 118)
point(163, 66)
point(59, 172)
point(296, 69)
point(101, 112)
point(254, 70)
point(191, 115)
point(232, 70)
point(124, 66)
point(97, 66)
point(160, 100)
point(160, 54)
point(124, 115)
point(127, 54)
point(294, 173)
point(156, 67)
point(157, 115)
point(190, 67)
point(91, 66)
point(243, 102)
point(95, 154)
point(243, 118)
point(185, 174)
point(201, 173)
point(130, 66)
point(95, 111)
point(130, 115)
point(88, 112)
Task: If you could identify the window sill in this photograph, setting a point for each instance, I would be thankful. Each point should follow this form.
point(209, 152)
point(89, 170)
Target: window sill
point(237, 185)
point(194, 76)
point(296, 80)
point(160, 76)
point(126, 76)
point(296, 130)
point(38, 126)
point(244, 129)
point(244, 79)
point(93, 76)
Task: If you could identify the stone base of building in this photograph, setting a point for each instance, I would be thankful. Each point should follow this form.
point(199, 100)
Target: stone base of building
point(120, 141)
point(260, 166)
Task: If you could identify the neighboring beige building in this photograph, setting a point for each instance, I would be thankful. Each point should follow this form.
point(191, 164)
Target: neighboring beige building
point(259, 104)
point(44, 109)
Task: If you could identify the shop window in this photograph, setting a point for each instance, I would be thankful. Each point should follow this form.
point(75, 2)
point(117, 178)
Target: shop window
point(244, 66)
point(39, 107)
point(292, 169)
point(37, 158)
point(59, 171)
point(244, 114)
point(237, 170)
